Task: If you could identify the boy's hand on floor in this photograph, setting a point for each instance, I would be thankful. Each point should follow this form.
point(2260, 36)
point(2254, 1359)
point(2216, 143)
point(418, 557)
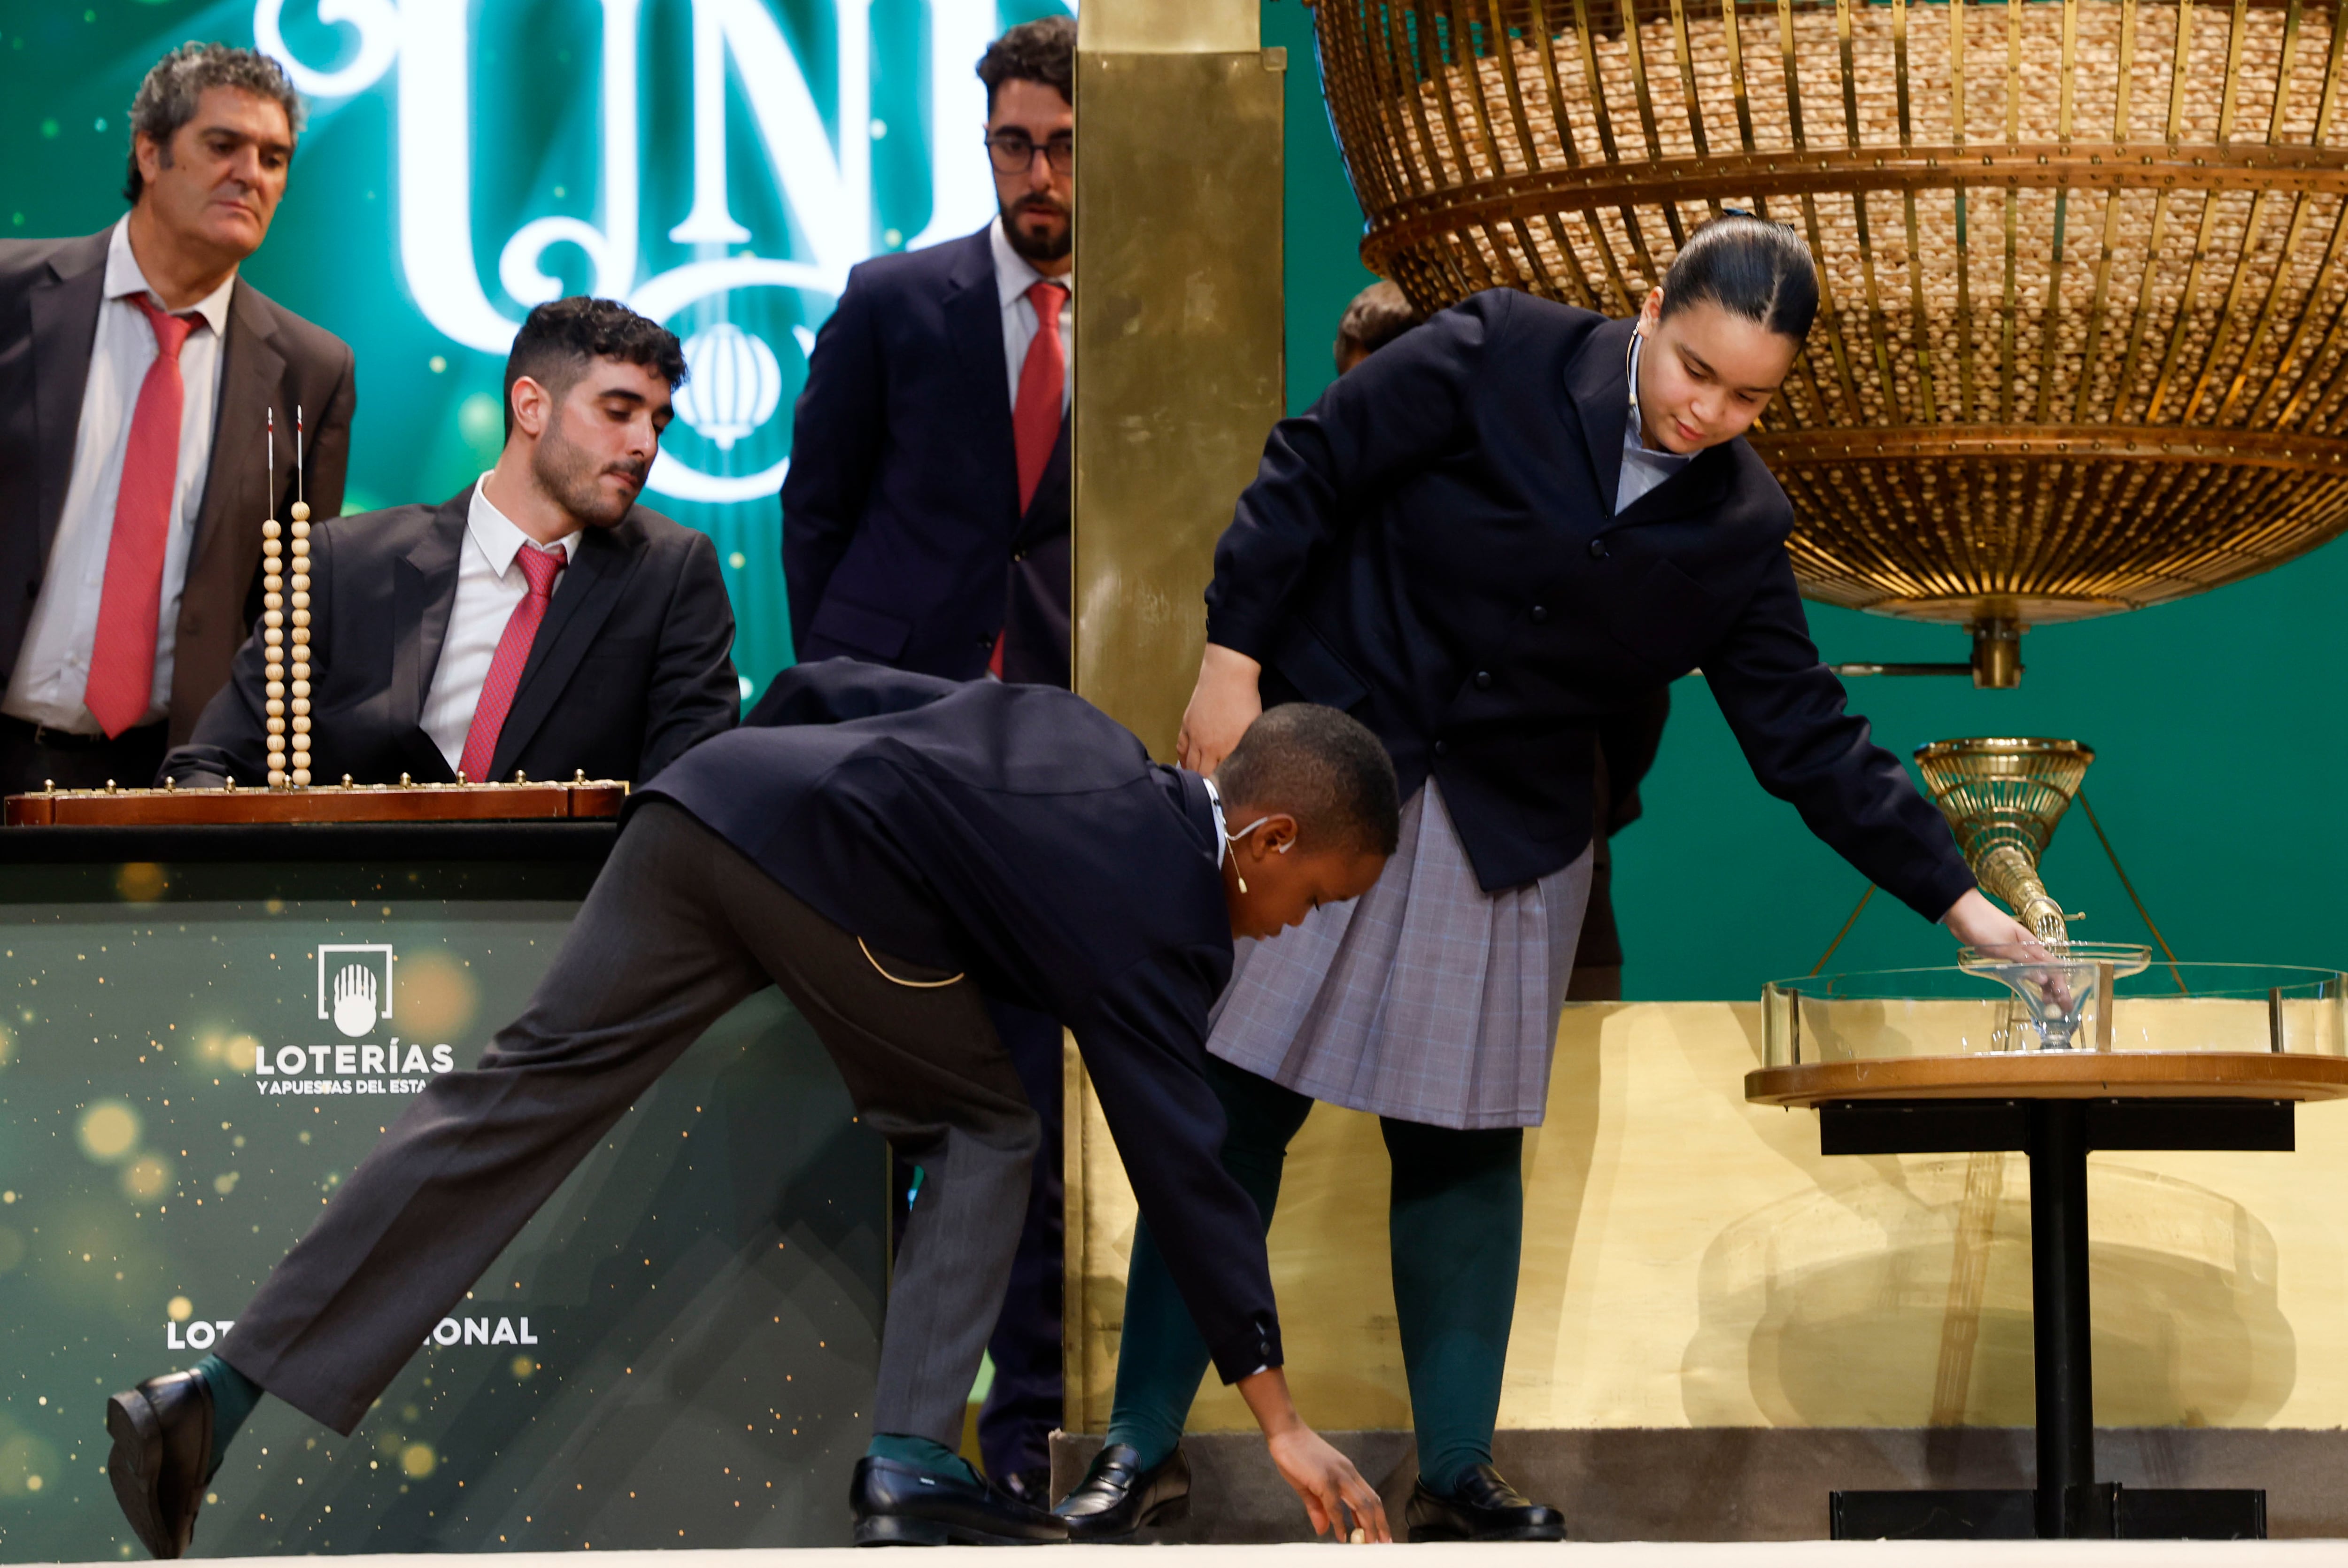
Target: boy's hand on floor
point(1330, 1486)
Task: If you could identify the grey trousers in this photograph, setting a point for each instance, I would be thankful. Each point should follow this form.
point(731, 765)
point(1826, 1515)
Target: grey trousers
point(679, 928)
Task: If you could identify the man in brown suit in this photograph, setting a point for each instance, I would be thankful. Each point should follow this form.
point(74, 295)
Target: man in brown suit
point(136, 372)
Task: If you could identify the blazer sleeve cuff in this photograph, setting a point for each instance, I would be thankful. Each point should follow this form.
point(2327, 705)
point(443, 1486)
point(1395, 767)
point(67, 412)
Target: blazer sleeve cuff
point(1247, 1350)
point(1239, 634)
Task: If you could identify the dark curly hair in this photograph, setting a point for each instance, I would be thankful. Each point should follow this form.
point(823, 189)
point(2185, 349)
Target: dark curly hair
point(1324, 767)
point(167, 99)
point(562, 337)
point(1043, 51)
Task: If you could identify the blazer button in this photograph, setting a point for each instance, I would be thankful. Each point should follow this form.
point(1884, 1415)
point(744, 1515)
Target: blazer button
point(985, 641)
point(1540, 614)
point(1443, 748)
point(1483, 680)
point(1597, 550)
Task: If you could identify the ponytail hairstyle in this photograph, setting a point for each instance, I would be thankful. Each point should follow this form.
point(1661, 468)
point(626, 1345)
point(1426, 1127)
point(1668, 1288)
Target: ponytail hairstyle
point(1748, 266)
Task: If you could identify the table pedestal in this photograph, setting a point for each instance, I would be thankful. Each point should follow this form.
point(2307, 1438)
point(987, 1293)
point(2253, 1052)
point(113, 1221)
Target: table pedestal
point(2068, 1501)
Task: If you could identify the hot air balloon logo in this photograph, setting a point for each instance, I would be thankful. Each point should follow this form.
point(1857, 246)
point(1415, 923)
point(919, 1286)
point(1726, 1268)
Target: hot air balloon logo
point(732, 386)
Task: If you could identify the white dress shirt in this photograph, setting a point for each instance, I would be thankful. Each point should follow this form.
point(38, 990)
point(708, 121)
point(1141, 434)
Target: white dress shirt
point(488, 587)
point(1643, 467)
point(1014, 276)
point(51, 670)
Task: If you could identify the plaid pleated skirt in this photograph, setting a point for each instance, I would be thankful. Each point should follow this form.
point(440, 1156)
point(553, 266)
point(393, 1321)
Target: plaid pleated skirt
point(1426, 999)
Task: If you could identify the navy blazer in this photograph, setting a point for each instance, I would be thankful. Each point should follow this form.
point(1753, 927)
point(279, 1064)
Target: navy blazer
point(903, 542)
point(1019, 835)
point(1434, 548)
point(631, 666)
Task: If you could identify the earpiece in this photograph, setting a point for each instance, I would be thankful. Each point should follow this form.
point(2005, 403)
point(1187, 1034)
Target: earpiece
point(1243, 833)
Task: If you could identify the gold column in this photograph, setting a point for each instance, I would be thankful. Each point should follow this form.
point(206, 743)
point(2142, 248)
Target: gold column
point(1178, 376)
point(1178, 331)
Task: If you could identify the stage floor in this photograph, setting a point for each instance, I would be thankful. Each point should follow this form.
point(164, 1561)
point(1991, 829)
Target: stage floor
point(1570, 1554)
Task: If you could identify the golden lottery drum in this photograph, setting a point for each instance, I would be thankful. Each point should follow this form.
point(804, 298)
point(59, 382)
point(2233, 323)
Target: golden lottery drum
point(2080, 344)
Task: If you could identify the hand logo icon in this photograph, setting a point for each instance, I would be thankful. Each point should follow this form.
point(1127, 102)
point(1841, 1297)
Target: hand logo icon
point(355, 1012)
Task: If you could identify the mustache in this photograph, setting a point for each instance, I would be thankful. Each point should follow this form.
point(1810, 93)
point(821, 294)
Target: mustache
point(634, 473)
point(1040, 203)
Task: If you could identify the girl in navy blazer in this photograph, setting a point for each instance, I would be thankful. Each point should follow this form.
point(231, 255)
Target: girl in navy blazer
point(1506, 526)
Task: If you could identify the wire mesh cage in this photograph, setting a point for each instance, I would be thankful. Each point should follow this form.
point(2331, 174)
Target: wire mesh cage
point(2081, 340)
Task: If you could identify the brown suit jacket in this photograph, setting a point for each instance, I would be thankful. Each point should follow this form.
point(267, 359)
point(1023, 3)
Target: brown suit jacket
point(50, 292)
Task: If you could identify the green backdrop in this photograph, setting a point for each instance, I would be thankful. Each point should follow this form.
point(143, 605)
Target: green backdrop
point(2211, 717)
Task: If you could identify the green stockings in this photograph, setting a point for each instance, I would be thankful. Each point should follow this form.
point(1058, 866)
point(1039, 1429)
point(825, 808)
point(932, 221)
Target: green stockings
point(1456, 1218)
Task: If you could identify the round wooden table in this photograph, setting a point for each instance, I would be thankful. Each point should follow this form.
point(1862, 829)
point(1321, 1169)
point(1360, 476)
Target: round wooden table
point(2054, 1107)
point(2057, 1075)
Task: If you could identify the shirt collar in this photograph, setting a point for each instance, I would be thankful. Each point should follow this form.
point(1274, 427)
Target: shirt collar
point(1635, 434)
point(123, 279)
point(1215, 800)
point(1014, 273)
point(499, 538)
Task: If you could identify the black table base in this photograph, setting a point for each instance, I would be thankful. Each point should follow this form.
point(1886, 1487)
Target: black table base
point(2106, 1512)
point(2068, 1501)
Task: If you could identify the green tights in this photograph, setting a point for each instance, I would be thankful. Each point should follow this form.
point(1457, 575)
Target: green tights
point(1455, 1221)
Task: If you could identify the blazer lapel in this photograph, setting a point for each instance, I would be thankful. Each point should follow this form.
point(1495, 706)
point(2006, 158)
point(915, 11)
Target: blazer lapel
point(1698, 487)
point(1598, 393)
point(584, 599)
point(423, 595)
point(64, 329)
point(1048, 509)
point(251, 383)
point(974, 316)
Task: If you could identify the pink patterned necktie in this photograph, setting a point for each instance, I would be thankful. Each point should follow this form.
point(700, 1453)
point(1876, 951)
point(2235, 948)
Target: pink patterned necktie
point(541, 566)
point(122, 660)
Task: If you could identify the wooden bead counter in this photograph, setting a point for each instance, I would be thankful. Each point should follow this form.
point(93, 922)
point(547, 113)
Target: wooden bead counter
point(524, 801)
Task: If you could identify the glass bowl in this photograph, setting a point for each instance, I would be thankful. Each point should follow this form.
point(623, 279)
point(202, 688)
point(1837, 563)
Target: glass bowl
point(1884, 1014)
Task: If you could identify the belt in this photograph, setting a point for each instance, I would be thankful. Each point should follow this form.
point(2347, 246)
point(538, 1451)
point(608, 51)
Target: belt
point(56, 739)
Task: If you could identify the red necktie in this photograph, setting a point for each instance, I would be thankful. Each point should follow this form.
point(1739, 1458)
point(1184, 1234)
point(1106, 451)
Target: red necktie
point(122, 662)
point(1035, 417)
point(505, 667)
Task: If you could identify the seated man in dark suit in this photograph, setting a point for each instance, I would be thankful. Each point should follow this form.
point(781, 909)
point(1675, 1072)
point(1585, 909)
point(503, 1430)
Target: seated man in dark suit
point(540, 623)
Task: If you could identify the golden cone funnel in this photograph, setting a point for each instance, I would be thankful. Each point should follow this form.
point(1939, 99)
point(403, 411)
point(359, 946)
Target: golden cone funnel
point(2002, 798)
point(2083, 336)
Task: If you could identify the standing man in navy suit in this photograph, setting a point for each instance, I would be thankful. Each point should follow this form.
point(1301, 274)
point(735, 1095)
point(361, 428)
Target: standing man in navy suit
point(925, 525)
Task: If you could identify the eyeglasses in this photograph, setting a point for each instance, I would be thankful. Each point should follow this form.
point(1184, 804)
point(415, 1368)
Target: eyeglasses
point(1014, 152)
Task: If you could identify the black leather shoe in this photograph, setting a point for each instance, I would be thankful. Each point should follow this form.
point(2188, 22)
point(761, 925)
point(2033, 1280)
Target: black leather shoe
point(162, 1456)
point(897, 1505)
point(1117, 1497)
point(1483, 1507)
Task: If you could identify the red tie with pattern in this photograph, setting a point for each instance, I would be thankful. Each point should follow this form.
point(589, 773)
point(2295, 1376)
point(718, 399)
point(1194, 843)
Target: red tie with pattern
point(122, 662)
point(1035, 417)
point(540, 567)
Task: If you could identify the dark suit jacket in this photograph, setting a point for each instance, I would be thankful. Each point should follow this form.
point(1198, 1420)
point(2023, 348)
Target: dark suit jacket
point(1434, 547)
point(50, 292)
point(1017, 834)
point(901, 510)
point(630, 667)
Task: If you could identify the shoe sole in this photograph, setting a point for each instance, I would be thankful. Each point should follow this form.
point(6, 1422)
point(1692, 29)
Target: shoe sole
point(1172, 1510)
point(135, 1468)
point(898, 1530)
point(1424, 1534)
